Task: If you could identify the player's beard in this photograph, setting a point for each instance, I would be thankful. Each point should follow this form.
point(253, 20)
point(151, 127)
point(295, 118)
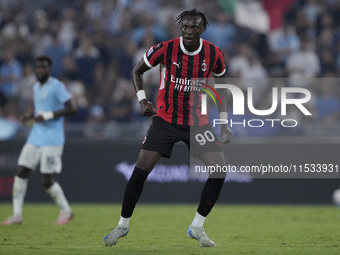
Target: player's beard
point(43, 78)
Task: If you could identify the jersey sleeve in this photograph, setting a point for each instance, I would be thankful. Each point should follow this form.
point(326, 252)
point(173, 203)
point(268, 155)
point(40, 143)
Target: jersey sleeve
point(62, 94)
point(219, 68)
point(154, 55)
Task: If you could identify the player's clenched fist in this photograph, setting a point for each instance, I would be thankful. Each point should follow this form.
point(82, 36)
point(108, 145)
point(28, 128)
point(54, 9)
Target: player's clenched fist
point(148, 109)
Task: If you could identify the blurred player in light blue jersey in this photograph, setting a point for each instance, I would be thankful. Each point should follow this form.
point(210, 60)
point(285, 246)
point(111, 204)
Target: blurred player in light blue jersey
point(45, 142)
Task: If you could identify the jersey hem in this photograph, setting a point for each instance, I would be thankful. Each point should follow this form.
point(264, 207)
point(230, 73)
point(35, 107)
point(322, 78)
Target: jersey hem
point(220, 74)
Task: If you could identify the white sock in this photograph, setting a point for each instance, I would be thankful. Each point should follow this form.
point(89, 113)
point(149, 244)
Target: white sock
point(124, 221)
point(198, 220)
point(18, 195)
point(56, 192)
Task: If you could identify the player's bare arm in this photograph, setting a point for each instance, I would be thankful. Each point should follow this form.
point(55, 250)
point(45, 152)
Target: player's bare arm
point(225, 131)
point(148, 109)
point(69, 109)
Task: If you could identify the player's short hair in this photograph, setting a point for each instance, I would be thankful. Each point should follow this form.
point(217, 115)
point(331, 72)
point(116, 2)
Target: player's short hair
point(192, 12)
point(44, 58)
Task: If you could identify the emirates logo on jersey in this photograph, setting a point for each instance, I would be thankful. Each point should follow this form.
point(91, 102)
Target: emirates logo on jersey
point(204, 66)
point(187, 84)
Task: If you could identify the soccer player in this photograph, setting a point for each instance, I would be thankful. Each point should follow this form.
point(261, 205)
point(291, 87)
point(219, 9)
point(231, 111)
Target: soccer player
point(45, 142)
point(185, 65)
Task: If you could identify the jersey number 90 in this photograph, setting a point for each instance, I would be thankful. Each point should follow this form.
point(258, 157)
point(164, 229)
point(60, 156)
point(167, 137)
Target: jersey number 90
point(207, 136)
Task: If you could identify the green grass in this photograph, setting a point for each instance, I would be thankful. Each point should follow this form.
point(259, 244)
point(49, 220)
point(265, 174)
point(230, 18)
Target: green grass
point(161, 229)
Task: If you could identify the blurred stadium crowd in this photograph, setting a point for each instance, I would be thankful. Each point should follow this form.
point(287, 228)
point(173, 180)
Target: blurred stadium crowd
point(95, 44)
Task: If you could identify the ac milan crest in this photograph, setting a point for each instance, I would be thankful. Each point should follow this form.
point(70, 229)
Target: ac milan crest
point(145, 139)
point(204, 66)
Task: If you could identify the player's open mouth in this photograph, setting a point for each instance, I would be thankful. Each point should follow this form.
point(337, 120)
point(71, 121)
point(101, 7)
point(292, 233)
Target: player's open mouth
point(188, 40)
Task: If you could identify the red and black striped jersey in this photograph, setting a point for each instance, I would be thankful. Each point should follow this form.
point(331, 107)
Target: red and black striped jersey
point(182, 75)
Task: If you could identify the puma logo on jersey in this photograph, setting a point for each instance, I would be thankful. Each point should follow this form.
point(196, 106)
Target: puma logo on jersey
point(177, 64)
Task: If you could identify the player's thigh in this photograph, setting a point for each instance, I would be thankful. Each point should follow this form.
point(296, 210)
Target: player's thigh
point(51, 159)
point(29, 156)
point(160, 137)
point(203, 140)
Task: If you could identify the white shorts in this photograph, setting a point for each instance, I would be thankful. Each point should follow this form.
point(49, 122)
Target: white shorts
point(49, 158)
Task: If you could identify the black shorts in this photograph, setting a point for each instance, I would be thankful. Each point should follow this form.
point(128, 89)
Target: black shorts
point(162, 136)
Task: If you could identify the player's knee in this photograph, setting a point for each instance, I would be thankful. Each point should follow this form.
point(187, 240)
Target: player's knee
point(145, 168)
point(145, 165)
point(219, 177)
point(46, 181)
point(147, 160)
point(23, 172)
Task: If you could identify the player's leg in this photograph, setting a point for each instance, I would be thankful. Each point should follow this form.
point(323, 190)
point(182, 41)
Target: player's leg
point(214, 184)
point(27, 162)
point(50, 164)
point(144, 165)
point(158, 142)
point(57, 194)
point(18, 195)
point(205, 144)
point(209, 196)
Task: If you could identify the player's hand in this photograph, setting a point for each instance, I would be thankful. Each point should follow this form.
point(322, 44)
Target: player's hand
point(148, 109)
point(39, 118)
point(226, 134)
point(25, 118)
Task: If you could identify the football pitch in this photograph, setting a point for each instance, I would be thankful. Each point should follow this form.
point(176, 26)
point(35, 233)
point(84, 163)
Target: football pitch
point(161, 229)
